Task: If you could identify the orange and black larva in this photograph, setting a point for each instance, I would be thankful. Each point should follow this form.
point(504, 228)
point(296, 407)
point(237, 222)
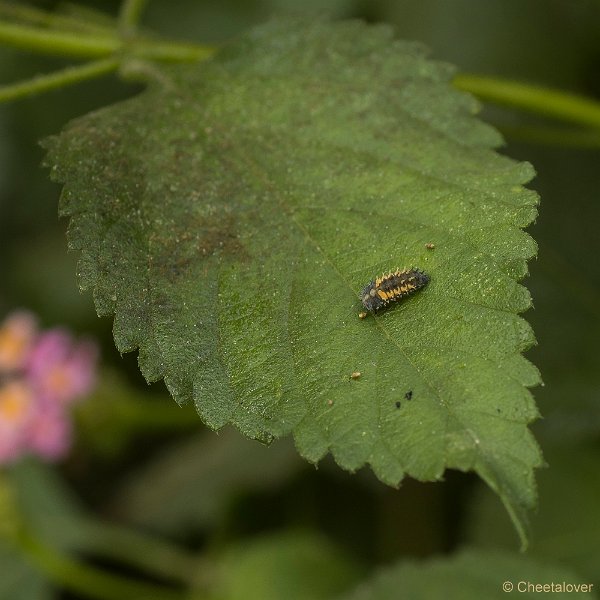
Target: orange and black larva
point(392, 287)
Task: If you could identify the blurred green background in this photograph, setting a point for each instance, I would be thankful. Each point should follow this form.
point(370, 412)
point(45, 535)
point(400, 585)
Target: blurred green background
point(143, 462)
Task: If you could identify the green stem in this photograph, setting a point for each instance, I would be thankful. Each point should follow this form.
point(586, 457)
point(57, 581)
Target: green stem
point(66, 43)
point(58, 42)
point(559, 104)
point(537, 99)
point(170, 51)
point(87, 580)
point(152, 555)
point(58, 79)
point(130, 14)
point(35, 16)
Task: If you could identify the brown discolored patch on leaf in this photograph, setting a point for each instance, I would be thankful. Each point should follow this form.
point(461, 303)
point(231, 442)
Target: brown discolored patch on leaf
point(201, 238)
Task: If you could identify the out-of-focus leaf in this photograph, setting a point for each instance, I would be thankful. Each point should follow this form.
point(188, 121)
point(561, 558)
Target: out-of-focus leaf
point(18, 579)
point(290, 566)
point(469, 575)
point(47, 506)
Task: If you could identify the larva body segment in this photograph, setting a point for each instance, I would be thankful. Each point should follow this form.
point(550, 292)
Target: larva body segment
point(392, 287)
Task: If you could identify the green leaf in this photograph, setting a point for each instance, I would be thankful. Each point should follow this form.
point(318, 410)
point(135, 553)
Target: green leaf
point(46, 505)
point(229, 216)
point(18, 579)
point(294, 566)
point(471, 574)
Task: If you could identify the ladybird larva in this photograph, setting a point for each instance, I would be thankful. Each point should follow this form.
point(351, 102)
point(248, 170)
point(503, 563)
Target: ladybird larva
point(392, 287)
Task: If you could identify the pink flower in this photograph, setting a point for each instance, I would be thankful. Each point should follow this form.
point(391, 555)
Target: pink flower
point(41, 375)
point(60, 370)
point(49, 432)
point(17, 335)
point(16, 413)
